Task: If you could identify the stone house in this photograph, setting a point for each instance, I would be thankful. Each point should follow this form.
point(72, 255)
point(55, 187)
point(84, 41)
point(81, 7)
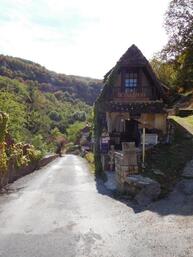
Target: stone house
point(132, 98)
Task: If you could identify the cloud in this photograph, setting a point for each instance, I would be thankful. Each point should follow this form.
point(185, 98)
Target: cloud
point(80, 37)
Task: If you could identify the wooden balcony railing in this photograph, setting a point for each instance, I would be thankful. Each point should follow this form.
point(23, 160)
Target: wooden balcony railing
point(130, 93)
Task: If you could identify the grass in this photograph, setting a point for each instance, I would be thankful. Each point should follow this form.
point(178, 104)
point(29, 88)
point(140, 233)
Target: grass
point(90, 159)
point(170, 160)
point(188, 120)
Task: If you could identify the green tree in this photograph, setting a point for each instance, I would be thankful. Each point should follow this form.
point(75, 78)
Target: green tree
point(179, 49)
point(17, 114)
point(165, 71)
point(55, 116)
point(184, 75)
point(179, 26)
point(73, 131)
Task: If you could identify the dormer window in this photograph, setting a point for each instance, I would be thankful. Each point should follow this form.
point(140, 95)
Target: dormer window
point(131, 81)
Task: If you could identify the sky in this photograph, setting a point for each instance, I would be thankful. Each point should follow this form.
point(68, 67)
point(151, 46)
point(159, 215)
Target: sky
point(80, 37)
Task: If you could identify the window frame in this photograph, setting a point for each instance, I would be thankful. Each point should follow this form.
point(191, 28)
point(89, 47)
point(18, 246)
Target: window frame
point(130, 74)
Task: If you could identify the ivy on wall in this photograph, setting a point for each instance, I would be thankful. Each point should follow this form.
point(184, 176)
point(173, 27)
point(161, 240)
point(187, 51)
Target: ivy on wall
point(99, 111)
point(97, 134)
point(3, 131)
point(13, 156)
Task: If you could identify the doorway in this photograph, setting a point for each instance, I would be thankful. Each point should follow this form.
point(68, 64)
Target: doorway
point(132, 132)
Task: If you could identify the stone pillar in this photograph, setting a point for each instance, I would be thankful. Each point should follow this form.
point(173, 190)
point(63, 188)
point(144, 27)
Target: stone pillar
point(130, 157)
point(125, 164)
point(118, 172)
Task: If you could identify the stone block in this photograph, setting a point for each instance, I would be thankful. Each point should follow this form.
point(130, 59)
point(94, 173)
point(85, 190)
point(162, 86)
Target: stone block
point(142, 188)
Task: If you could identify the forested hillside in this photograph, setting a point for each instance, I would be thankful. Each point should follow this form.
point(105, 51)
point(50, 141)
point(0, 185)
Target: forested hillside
point(42, 104)
point(67, 87)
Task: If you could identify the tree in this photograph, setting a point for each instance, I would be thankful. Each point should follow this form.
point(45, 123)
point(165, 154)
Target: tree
point(55, 116)
point(74, 131)
point(185, 72)
point(17, 114)
point(179, 26)
point(179, 49)
point(165, 71)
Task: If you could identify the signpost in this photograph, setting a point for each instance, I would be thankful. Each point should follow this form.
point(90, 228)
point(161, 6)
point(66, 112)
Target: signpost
point(143, 145)
point(143, 149)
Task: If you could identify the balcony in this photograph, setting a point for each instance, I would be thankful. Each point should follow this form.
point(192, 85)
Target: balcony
point(132, 93)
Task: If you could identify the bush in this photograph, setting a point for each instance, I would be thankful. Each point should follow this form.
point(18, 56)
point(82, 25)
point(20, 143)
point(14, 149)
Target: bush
point(74, 131)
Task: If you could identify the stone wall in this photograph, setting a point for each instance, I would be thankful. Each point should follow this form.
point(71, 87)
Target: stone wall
point(14, 174)
point(142, 189)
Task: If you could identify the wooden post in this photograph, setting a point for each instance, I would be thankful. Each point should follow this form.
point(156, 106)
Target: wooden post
point(143, 154)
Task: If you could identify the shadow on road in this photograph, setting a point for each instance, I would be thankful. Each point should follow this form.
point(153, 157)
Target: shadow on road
point(178, 202)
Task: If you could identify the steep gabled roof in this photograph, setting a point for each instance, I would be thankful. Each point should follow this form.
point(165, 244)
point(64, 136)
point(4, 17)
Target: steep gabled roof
point(133, 57)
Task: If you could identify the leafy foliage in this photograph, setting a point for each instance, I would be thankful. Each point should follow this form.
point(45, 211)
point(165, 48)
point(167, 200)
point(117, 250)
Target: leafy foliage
point(20, 155)
point(174, 64)
point(13, 156)
point(73, 131)
point(3, 131)
point(165, 71)
point(97, 133)
point(179, 25)
point(11, 104)
point(33, 115)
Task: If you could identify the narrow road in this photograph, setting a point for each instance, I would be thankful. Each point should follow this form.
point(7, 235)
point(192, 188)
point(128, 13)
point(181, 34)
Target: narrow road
point(59, 210)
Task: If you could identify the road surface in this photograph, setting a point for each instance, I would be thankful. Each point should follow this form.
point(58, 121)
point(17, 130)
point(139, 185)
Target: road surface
point(60, 210)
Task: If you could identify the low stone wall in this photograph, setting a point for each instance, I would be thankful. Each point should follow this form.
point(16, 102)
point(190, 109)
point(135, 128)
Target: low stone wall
point(46, 160)
point(142, 189)
point(14, 174)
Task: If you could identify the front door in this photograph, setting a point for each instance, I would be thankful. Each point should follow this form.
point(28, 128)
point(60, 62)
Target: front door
point(132, 132)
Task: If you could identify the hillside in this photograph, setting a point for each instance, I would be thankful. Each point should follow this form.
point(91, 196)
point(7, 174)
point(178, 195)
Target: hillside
point(69, 87)
point(42, 104)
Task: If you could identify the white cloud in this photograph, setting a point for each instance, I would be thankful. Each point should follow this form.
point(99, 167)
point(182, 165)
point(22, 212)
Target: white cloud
point(81, 37)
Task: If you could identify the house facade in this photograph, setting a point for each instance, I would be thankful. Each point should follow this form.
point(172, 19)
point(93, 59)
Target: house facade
point(132, 98)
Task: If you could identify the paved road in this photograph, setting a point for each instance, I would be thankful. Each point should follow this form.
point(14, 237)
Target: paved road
point(58, 211)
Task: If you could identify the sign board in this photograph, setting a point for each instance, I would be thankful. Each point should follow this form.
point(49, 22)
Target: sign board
point(151, 139)
point(105, 140)
point(105, 144)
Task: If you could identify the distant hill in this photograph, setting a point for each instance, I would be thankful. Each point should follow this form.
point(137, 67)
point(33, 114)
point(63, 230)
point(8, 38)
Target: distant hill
point(42, 104)
point(69, 87)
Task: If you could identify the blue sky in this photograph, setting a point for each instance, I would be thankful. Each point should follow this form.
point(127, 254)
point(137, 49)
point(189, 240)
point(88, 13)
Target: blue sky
point(80, 37)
